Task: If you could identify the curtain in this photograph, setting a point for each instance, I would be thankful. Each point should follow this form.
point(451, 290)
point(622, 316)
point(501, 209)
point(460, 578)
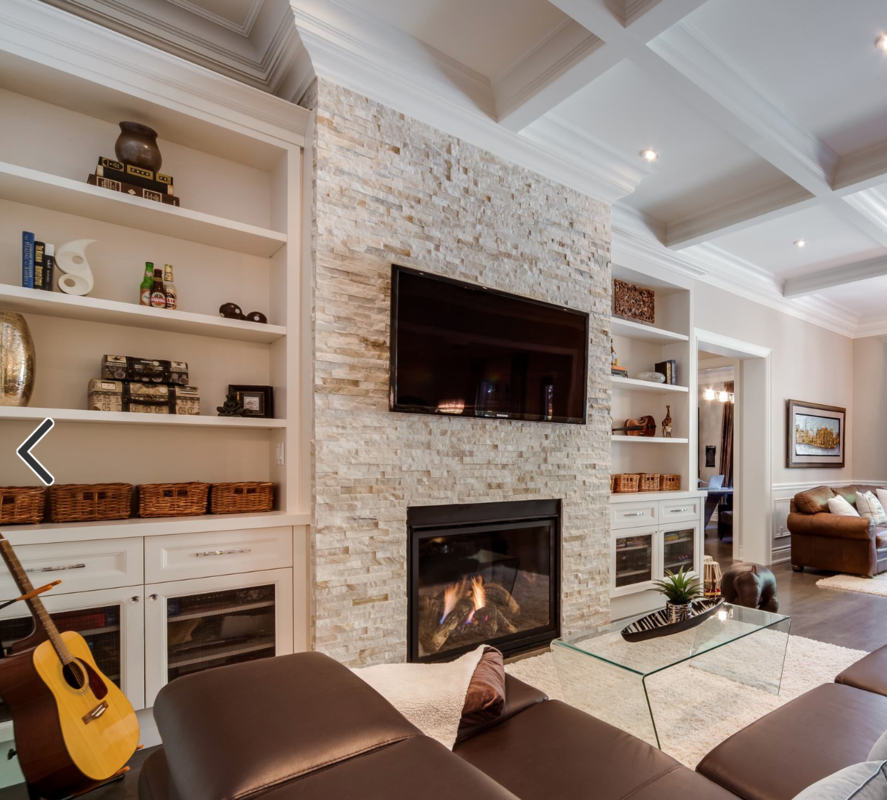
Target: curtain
point(726, 467)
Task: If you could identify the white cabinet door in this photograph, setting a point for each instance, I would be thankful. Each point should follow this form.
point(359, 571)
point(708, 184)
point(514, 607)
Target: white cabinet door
point(681, 545)
point(634, 563)
point(112, 622)
point(194, 625)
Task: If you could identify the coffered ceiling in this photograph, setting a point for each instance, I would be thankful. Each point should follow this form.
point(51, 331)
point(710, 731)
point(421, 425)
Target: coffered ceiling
point(769, 118)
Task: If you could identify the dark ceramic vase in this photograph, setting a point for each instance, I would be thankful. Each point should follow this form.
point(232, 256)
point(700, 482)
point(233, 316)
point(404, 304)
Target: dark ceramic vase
point(137, 145)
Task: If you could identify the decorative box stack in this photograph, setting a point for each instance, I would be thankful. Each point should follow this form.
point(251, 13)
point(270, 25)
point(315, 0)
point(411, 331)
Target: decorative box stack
point(134, 181)
point(144, 386)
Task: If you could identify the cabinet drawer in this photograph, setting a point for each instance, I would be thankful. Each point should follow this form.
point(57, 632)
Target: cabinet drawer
point(633, 515)
point(680, 510)
point(203, 555)
point(94, 564)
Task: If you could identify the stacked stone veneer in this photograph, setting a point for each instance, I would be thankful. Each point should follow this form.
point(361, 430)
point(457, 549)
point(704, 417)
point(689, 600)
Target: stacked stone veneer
point(391, 189)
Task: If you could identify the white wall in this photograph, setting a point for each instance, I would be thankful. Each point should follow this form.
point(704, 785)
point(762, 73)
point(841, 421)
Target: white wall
point(808, 363)
point(869, 404)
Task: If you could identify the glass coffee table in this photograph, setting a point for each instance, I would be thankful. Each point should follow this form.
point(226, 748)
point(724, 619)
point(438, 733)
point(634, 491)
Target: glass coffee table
point(633, 684)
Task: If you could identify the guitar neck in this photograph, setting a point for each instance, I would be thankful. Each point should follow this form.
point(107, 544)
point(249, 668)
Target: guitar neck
point(35, 604)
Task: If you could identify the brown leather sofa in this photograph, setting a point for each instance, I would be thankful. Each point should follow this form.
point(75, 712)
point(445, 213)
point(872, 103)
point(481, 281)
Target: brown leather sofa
point(821, 540)
point(303, 727)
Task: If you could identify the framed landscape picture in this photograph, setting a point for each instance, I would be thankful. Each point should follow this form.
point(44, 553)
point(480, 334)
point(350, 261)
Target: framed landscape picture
point(816, 435)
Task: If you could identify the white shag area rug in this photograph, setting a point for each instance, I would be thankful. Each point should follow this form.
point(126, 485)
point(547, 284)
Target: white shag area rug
point(855, 583)
point(695, 709)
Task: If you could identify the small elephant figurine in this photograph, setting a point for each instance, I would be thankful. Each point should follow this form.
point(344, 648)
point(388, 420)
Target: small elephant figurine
point(750, 585)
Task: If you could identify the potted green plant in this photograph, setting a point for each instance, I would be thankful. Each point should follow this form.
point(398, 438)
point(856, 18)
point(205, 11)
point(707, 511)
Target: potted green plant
point(680, 591)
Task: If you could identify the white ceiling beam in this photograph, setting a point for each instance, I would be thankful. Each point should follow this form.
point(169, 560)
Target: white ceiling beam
point(836, 276)
point(571, 57)
point(753, 209)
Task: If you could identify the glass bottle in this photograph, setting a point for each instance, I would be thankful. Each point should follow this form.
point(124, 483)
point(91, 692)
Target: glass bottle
point(172, 294)
point(147, 284)
point(158, 295)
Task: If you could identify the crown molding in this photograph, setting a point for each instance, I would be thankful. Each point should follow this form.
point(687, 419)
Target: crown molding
point(835, 276)
point(392, 68)
point(762, 205)
point(217, 19)
point(57, 39)
point(863, 169)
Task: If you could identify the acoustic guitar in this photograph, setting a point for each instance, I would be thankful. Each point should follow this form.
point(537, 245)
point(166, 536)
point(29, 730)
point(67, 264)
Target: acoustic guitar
point(74, 729)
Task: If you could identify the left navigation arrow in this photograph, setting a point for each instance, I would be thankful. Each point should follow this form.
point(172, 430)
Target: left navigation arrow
point(24, 451)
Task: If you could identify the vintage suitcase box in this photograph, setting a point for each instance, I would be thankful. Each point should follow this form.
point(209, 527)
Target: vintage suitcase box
point(143, 398)
point(144, 370)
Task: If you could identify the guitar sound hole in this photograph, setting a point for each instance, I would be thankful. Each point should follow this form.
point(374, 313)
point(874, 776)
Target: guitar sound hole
point(74, 675)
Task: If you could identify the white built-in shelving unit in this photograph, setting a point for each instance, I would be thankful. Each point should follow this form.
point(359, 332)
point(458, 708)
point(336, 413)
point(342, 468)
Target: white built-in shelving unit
point(653, 531)
point(235, 154)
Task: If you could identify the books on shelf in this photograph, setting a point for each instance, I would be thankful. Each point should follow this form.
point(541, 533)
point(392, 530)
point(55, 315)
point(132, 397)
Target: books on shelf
point(138, 176)
point(132, 190)
point(670, 370)
point(27, 259)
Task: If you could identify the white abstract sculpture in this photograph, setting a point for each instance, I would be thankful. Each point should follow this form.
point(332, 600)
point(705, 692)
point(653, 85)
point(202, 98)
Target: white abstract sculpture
point(71, 259)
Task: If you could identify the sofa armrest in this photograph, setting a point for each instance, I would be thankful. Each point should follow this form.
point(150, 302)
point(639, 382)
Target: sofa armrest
point(825, 524)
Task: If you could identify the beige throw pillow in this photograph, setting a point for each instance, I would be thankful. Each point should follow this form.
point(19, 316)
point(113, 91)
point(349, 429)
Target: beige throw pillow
point(869, 506)
point(882, 497)
point(841, 508)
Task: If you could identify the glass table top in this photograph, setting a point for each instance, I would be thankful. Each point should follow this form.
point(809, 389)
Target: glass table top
point(730, 624)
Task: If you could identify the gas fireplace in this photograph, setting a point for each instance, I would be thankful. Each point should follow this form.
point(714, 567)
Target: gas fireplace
point(485, 573)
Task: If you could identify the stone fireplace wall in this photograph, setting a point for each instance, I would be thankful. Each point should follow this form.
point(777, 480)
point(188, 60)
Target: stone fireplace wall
point(391, 189)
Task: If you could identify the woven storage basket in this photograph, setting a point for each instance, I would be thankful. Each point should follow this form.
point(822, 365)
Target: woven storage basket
point(239, 498)
point(173, 499)
point(625, 484)
point(21, 504)
point(84, 502)
point(669, 483)
point(648, 482)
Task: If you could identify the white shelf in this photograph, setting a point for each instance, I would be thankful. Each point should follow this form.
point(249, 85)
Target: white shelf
point(50, 532)
point(647, 440)
point(645, 333)
point(129, 418)
point(112, 312)
point(633, 497)
point(42, 189)
point(635, 385)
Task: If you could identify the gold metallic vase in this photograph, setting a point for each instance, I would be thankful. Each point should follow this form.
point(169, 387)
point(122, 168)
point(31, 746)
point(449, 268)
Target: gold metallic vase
point(18, 364)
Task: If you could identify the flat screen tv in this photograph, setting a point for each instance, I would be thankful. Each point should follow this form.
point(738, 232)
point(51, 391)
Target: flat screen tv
point(460, 349)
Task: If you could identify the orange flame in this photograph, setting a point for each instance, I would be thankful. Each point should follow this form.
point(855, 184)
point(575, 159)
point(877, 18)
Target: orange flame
point(451, 596)
point(478, 596)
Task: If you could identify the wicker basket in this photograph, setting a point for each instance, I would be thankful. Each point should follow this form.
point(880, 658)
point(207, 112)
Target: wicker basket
point(21, 504)
point(626, 483)
point(173, 499)
point(669, 483)
point(85, 502)
point(648, 482)
point(239, 498)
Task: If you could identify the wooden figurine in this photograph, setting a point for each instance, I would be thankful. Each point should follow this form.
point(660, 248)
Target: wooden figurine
point(666, 423)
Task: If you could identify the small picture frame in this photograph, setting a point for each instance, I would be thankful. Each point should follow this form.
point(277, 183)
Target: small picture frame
point(257, 401)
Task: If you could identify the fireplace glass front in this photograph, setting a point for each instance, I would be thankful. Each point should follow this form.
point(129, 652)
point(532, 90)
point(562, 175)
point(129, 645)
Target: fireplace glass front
point(494, 582)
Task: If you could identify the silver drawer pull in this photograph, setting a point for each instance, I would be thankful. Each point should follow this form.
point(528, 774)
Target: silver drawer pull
point(634, 514)
point(223, 552)
point(56, 569)
point(679, 510)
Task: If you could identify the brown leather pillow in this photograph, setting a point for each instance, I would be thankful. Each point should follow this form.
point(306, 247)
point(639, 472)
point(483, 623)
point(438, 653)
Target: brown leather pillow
point(485, 698)
point(814, 500)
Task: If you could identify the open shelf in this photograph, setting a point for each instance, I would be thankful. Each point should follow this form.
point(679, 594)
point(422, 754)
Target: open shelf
point(647, 440)
point(129, 418)
point(112, 312)
point(644, 333)
point(223, 651)
point(633, 384)
point(44, 190)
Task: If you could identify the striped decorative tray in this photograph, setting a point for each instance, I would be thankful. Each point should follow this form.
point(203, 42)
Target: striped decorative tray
point(656, 624)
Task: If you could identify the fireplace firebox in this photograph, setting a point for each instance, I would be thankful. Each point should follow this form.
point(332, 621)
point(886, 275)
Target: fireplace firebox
point(483, 573)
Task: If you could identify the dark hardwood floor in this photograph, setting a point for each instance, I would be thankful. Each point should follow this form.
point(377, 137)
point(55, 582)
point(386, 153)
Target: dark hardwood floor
point(848, 619)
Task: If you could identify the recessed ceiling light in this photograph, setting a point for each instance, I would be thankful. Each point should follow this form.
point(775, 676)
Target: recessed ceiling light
point(649, 154)
point(881, 42)
point(801, 243)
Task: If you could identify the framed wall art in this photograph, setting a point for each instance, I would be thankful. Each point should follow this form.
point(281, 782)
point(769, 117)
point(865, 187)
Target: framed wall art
point(257, 401)
point(816, 435)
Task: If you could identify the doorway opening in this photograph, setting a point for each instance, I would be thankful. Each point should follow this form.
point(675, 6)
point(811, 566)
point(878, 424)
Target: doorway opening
point(734, 446)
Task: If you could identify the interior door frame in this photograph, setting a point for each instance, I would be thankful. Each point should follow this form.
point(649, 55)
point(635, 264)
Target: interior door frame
point(752, 446)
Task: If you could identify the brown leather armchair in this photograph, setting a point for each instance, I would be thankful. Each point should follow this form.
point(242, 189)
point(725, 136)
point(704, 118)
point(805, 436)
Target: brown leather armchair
point(822, 540)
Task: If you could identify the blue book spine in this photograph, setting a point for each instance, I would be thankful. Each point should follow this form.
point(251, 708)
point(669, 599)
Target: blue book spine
point(28, 259)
